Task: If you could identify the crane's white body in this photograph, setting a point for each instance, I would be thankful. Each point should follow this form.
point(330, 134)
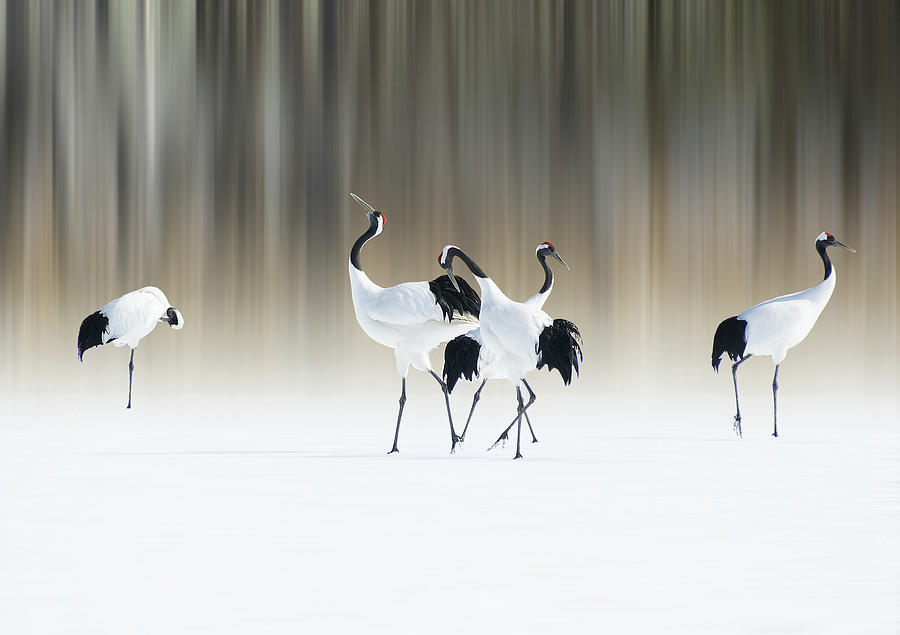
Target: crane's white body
point(508, 333)
point(775, 326)
point(490, 362)
point(404, 317)
point(134, 315)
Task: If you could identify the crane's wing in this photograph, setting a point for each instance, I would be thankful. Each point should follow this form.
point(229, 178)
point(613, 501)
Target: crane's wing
point(407, 304)
point(461, 358)
point(131, 311)
point(559, 347)
point(778, 324)
point(404, 305)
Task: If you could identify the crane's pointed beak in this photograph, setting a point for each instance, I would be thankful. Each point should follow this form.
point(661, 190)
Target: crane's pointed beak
point(450, 275)
point(848, 248)
point(558, 257)
point(370, 211)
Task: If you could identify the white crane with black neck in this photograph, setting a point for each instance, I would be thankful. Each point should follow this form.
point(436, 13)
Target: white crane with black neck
point(125, 321)
point(465, 357)
point(517, 337)
point(773, 327)
point(412, 318)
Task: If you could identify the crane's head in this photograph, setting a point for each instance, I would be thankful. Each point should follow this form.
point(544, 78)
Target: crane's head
point(445, 260)
point(377, 220)
point(546, 248)
point(173, 318)
point(828, 240)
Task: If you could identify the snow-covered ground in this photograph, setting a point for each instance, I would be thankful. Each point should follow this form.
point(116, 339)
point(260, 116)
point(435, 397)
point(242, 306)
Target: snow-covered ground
point(188, 516)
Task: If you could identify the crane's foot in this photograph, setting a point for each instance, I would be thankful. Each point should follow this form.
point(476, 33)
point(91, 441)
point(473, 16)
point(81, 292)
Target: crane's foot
point(737, 426)
point(534, 439)
point(454, 441)
point(775, 434)
point(393, 450)
point(502, 439)
point(518, 456)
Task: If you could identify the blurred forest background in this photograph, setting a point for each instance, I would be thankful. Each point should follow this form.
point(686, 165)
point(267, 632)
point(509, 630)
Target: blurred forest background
point(682, 156)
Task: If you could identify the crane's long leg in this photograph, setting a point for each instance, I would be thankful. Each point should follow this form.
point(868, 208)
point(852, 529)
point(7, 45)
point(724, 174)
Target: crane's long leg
point(737, 417)
point(454, 439)
point(475, 399)
point(530, 429)
point(775, 398)
point(399, 415)
point(519, 428)
point(130, 371)
point(505, 435)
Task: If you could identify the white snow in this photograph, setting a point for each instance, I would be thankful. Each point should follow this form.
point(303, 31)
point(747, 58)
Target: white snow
point(230, 516)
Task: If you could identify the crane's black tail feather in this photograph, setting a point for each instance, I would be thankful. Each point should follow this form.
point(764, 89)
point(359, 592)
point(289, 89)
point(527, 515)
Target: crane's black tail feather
point(731, 338)
point(465, 301)
point(91, 332)
point(559, 347)
point(460, 360)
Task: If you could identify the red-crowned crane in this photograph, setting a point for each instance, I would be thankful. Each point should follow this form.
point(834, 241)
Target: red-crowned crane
point(773, 327)
point(518, 337)
point(412, 318)
point(464, 357)
point(126, 320)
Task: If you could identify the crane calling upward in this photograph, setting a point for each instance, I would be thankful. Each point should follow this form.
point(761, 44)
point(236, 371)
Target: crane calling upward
point(773, 327)
point(126, 320)
point(518, 337)
point(466, 357)
point(412, 318)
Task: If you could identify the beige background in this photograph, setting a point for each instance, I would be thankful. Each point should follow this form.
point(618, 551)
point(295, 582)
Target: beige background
point(681, 156)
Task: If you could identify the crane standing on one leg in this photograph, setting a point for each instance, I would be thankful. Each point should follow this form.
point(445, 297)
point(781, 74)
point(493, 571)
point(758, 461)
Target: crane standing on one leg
point(126, 320)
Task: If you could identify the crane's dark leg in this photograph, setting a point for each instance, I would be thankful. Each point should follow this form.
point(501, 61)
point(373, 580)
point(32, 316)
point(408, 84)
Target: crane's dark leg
point(532, 397)
point(737, 405)
point(399, 416)
point(475, 399)
point(454, 439)
point(130, 371)
point(530, 429)
point(505, 434)
point(775, 398)
point(519, 428)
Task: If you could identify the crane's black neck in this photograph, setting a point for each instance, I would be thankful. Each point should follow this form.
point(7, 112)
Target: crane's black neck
point(548, 274)
point(821, 247)
point(362, 240)
point(471, 264)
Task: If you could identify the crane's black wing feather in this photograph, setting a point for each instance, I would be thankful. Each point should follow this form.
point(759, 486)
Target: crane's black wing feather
point(730, 338)
point(91, 332)
point(559, 347)
point(460, 360)
point(465, 301)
